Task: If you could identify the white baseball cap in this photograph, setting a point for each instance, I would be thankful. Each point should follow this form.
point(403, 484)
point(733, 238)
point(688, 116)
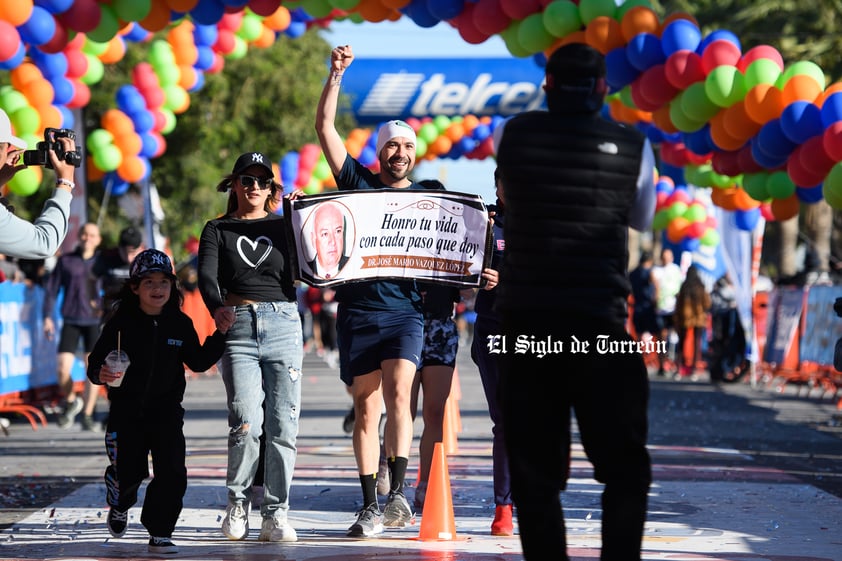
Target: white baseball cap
point(393, 129)
point(6, 132)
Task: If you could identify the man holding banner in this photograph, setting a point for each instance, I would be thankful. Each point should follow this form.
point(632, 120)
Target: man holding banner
point(379, 323)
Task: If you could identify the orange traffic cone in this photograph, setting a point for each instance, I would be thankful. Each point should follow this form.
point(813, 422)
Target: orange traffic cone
point(437, 522)
point(448, 427)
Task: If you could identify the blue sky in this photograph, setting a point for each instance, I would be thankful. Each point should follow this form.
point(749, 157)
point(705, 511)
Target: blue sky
point(404, 39)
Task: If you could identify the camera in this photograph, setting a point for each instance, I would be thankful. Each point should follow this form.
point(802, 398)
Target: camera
point(41, 155)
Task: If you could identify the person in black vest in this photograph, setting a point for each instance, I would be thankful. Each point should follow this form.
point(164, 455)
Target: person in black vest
point(573, 184)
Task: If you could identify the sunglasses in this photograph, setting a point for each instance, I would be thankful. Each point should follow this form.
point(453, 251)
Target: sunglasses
point(250, 180)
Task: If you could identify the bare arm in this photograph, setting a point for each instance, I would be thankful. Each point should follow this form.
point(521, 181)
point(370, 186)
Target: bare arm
point(332, 143)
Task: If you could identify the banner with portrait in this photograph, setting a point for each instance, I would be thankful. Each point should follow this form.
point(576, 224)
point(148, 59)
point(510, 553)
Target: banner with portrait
point(349, 236)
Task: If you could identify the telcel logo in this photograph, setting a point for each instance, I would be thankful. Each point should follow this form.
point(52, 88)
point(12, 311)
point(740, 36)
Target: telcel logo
point(416, 90)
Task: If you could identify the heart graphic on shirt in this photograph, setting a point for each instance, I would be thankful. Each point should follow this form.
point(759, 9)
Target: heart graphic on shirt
point(253, 245)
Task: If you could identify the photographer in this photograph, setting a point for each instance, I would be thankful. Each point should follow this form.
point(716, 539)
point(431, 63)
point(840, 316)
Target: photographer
point(42, 238)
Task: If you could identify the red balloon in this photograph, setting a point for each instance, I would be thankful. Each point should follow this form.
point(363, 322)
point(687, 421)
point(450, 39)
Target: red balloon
point(82, 16)
point(747, 162)
point(832, 141)
point(814, 157)
point(81, 97)
point(58, 41)
point(225, 42)
point(758, 52)
point(726, 163)
point(264, 8)
point(9, 41)
point(640, 100)
point(519, 9)
point(798, 173)
point(464, 23)
point(490, 18)
point(683, 68)
point(720, 53)
point(231, 21)
point(77, 63)
point(655, 87)
point(674, 153)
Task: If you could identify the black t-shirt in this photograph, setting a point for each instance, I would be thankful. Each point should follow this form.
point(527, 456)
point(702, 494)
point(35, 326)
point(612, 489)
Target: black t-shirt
point(380, 294)
point(249, 258)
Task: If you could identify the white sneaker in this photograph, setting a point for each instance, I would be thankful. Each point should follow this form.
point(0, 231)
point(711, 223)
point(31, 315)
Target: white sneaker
point(277, 530)
point(235, 525)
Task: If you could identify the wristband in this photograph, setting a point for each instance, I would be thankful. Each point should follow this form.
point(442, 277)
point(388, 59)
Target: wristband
point(62, 181)
point(336, 77)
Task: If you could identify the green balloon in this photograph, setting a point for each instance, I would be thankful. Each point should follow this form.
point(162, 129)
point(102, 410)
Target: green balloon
point(95, 71)
point(761, 71)
point(169, 120)
point(168, 75)
point(803, 67)
point(725, 85)
point(696, 213)
point(592, 9)
point(676, 209)
point(420, 147)
point(779, 185)
point(626, 97)
point(92, 47)
point(696, 104)
point(11, 100)
point(131, 10)
point(428, 132)
point(561, 18)
point(692, 174)
point(241, 49)
point(344, 5)
point(251, 27)
point(161, 55)
point(317, 8)
point(511, 37)
point(832, 187)
point(98, 139)
point(107, 158)
point(24, 183)
point(174, 96)
point(660, 220)
point(108, 26)
point(533, 35)
point(710, 238)
point(26, 120)
point(441, 123)
point(680, 119)
point(754, 184)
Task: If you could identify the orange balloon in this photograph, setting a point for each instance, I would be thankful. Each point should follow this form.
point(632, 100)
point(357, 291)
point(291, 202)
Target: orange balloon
point(182, 6)
point(129, 144)
point(724, 198)
point(266, 39)
point(661, 118)
point(115, 51)
point(439, 146)
point(181, 33)
point(737, 123)
point(38, 92)
point(157, 18)
point(23, 74)
point(784, 209)
point(677, 229)
point(116, 122)
point(374, 10)
point(279, 20)
point(742, 200)
point(455, 132)
point(469, 123)
point(51, 116)
point(94, 173)
point(829, 91)
point(604, 34)
point(763, 103)
point(17, 12)
point(801, 88)
point(640, 19)
point(188, 76)
point(131, 169)
point(575, 37)
point(720, 136)
point(395, 4)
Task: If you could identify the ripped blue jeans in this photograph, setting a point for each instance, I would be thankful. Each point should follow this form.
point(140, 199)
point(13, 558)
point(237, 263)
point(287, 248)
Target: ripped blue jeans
point(262, 361)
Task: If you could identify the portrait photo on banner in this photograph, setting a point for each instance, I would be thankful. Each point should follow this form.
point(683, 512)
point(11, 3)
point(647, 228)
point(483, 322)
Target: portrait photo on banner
point(356, 236)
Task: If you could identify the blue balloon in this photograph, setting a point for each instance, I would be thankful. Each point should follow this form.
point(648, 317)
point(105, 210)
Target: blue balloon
point(50, 65)
point(809, 195)
point(115, 184)
point(136, 33)
point(481, 132)
point(418, 12)
point(716, 36)
point(63, 90)
point(690, 244)
point(68, 121)
point(205, 35)
point(644, 51)
point(801, 120)
point(55, 6)
point(762, 158)
point(467, 144)
point(143, 121)
point(39, 28)
point(149, 146)
point(832, 109)
point(619, 72)
point(540, 60)
point(16, 60)
point(673, 172)
point(289, 170)
point(367, 156)
point(445, 9)
point(208, 12)
point(772, 141)
point(130, 100)
point(295, 29)
point(200, 82)
point(747, 219)
point(205, 59)
point(300, 14)
point(680, 35)
point(699, 142)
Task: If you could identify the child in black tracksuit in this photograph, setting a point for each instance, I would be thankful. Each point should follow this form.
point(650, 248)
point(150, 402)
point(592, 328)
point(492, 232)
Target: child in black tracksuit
point(146, 415)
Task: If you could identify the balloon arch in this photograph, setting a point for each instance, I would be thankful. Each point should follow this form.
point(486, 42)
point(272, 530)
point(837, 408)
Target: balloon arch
point(766, 137)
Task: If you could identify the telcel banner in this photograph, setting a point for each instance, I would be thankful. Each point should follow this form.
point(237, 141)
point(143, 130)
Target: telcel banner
point(383, 89)
point(342, 237)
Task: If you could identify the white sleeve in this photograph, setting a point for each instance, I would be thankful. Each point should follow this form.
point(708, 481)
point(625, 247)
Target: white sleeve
point(643, 209)
point(40, 239)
